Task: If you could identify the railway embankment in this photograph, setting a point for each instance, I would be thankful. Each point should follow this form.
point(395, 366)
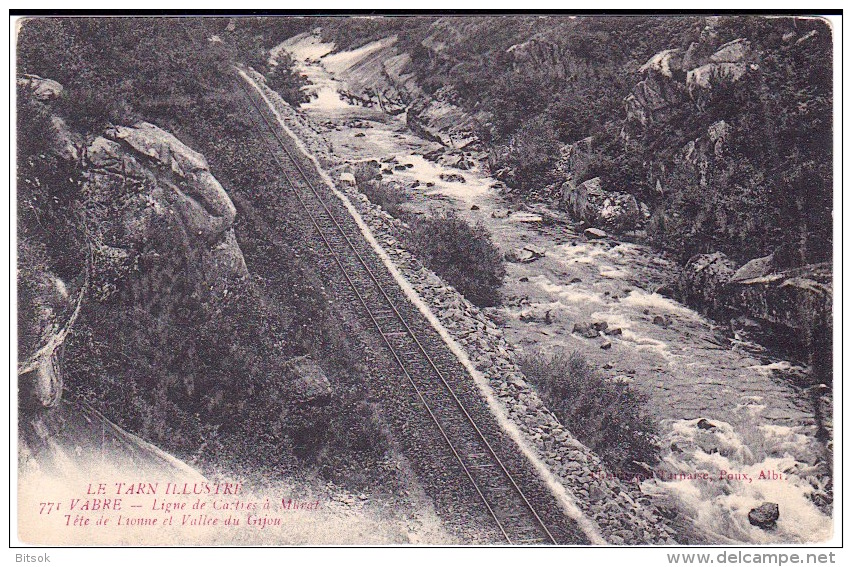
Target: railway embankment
point(616, 507)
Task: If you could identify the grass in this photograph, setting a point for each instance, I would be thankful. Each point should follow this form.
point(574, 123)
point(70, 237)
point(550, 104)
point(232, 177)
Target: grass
point(608, 416)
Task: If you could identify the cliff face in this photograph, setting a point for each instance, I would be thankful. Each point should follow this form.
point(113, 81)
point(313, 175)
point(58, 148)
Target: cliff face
point(151, 184)
point(674, 76)
point(677, 84)
point(693, 103)
point(721, 139)
point(136, 198)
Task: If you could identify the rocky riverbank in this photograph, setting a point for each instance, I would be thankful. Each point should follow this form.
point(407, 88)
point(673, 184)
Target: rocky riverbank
point(683, 361)
point(623, 513)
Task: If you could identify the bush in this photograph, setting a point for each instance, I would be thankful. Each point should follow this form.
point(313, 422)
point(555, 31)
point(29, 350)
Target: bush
point(461, 254)
point(389, 197)
point(607, 416)
point(532, 155)
point(282, 79)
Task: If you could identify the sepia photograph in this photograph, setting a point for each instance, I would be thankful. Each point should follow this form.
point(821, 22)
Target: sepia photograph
point(425, 279)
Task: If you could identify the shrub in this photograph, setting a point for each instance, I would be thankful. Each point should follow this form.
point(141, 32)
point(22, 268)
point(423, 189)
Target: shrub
point(721, 213)
point(532, 155)
point(283, 79)
point(389, 197)
point(461, 254)
point(608, 416)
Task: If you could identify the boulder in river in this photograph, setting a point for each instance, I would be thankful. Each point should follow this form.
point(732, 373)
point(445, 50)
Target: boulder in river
point(589, 202)
point(524, 255)
point(764, 516)
point(594, 233)
point(452, 178)
point(585, 330)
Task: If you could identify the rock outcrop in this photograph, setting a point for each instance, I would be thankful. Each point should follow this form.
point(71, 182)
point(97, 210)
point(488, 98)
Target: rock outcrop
point(764, 289)
point(729, 62)
point(654, 98)
point(311, 383)
point(146, 199)
point(155, 183)
point(540, 54)
point(40, 88)
point(590, 203)
point(700, 151)
point(674, 77)
point(703, 280)
point(574, 157)
point(798, 298)
point(438, 119)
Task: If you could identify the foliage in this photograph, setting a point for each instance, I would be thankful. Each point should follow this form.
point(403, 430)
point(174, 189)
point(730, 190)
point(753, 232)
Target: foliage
point(118, 69)
point(461, 254)
point(531, 156)
point(608, 416)
point(199, 373)
point(772, 187)
point(283, 79)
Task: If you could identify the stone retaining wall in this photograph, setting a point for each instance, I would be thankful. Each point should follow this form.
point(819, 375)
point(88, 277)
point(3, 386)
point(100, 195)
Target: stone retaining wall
point(623, 514)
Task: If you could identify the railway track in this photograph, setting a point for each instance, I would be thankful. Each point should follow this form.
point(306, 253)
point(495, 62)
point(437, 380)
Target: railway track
point(494, 483)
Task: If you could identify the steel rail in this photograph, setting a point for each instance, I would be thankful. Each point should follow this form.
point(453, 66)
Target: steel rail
point(481, 437)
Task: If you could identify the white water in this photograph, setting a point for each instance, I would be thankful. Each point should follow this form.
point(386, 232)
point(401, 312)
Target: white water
point(565, 499)
point(762, 422)
point(768, 463)
point(306, 50)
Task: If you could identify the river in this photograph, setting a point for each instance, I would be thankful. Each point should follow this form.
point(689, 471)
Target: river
point(741, 417)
